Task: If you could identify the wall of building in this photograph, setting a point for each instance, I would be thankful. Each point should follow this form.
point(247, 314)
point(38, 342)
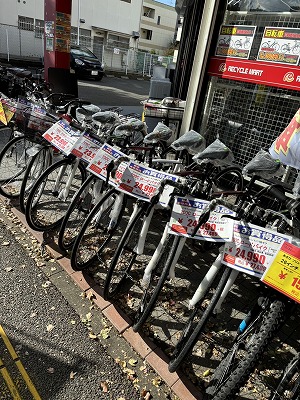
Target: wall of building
point(158, 24)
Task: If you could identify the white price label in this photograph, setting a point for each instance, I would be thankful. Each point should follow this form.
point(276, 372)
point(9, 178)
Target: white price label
point(185, 215)
point(86, 148)
point(62, 136)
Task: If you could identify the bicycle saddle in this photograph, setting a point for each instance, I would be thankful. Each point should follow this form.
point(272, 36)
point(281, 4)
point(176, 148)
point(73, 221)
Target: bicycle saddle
point(20, 72)
point(215, 151)
point(160, 133)
point(191, 141)
point(123, 130)
point(86, 112)
point(264, 165)
point(105, 117)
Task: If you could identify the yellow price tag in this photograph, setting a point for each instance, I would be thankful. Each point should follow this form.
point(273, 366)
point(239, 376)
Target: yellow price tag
point(284, 272)
point(2, 115)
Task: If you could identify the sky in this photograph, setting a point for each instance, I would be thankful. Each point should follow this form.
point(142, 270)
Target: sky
point(168, 2)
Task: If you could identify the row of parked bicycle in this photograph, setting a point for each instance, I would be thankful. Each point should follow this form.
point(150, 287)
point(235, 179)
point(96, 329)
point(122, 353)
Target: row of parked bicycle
point(125, 204)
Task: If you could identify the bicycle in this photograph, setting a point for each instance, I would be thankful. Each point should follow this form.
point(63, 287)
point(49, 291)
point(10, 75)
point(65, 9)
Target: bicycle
point(289, 385)
point(163, 262)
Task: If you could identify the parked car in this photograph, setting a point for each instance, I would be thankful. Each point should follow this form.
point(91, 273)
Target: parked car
point(85, 63)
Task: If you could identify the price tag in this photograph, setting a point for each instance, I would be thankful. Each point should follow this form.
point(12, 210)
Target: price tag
point(252, 248)
point(23, 110)
point(38, 119)
point(142, 182)
point(62, 136)
point(86, 148)
point(102, 158)
point(185, 215)
point(9, 108)
point(2, 115)
point(283, 274)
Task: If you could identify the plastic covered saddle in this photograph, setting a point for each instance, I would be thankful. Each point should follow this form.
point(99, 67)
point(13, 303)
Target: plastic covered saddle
point(264, 165)
point(160, 133)
point(217, 153)
point(191, 141)
point(106, 117)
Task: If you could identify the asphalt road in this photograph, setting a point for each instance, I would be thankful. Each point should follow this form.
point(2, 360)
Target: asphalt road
point(113, 91)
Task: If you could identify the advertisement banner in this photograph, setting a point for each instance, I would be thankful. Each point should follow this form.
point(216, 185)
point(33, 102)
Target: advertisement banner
point(257, 72)
point(286, 147)
point(235, 41)
point(280, 45)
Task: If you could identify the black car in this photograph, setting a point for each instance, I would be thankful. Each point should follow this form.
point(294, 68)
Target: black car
point(85, 63)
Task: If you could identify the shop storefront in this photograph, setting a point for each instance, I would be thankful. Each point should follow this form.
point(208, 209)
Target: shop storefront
point(251, 88)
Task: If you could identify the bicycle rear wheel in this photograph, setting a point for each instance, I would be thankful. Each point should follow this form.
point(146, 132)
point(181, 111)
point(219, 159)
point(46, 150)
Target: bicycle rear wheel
point(14, 161)
point(52, 193)
point(97, 231)
point(37, 165)
point(234, 370)
point(82, 203)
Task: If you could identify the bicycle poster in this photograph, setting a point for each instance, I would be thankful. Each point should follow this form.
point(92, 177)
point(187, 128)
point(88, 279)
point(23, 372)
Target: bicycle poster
point(284, 272)
point(235, 41)
point(252, 248)
point(185, 215)
point(280, 45)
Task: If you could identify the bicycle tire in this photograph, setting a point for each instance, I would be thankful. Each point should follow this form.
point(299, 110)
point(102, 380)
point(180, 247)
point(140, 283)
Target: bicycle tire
point(47, 203)
point(94, 235)
point(157, 280)
point(79, 208)
point(287, 383)
point(124, 256)
point(224, 386)
point(13, 163)
point(37, 165)
point(192, 329)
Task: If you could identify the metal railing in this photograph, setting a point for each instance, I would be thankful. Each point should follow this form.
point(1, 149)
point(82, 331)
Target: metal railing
point(21, 44)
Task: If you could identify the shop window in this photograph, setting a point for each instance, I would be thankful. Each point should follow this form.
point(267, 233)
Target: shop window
point(25, 23)
point(39, 28)
point(85, 38)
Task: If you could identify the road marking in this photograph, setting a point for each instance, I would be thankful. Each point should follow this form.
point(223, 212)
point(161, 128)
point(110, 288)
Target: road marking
point(20, 366)
point(9, 382)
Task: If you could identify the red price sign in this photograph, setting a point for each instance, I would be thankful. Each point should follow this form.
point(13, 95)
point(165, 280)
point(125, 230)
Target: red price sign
point(284, 271)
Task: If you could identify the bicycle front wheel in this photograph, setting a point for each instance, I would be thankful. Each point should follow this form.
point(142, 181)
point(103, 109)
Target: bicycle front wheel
point(14, 161)
point(234, 370)
point(125, 256)
point(37, 165)
point(82, 203)
point(97, 231)
point(289, 386)
point(195, 325)
point(52, 193)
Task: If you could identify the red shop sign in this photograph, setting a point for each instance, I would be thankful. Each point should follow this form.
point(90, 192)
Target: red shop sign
point(283, 76)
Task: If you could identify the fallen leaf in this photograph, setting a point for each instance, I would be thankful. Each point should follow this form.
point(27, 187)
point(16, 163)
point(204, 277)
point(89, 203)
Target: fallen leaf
point(157, 381)
point(104, 387)
point(92, 336)
point(72, 374)
point(90, 296)
point(73, 322)
point(46, 284)
point(105, 333)
point(9, 269)
point(206, 373)
point(50, 370)
point(89, 317)
point(133, 362)
point(5, 243)
point(50, 327)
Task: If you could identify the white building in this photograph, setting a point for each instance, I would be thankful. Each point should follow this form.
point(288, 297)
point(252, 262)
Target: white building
point(111, 29)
